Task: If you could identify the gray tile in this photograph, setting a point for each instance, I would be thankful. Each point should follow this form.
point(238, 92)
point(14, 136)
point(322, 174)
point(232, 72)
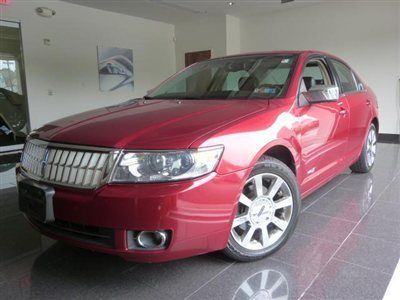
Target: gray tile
point(179, 279)
point(340, 280)
point(379, 180)
point(16, 289)
point(327, 228)
point(388, 155)
point(323, 190)
point(379, 227)
point(8, 203)
point(391, 194)
point(386, 210)
point(376, 254)
point(123, 287)
point(306, 252)
point(18, 268)
point(17, 238)
point(263, 278)
point(68, 272)
point(345, 203)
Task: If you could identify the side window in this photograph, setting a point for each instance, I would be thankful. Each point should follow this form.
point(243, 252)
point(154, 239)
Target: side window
point(360, 84)
point(346, 77)
point(315, 74)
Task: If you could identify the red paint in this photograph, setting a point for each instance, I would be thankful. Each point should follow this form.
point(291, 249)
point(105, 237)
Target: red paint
point(199, 212)
point(5, 2)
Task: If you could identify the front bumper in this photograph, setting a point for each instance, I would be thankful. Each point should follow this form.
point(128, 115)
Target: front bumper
point(198, 214)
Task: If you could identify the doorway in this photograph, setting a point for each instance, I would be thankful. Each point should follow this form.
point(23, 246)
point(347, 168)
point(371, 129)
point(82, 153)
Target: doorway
point(198, 56)
point(14, 117)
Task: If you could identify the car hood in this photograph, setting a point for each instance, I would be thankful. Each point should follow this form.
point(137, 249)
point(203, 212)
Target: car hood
point(152, 124)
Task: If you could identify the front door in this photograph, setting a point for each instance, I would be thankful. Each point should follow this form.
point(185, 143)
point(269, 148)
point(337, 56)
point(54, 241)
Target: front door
point(324, 128)
point(359, 106)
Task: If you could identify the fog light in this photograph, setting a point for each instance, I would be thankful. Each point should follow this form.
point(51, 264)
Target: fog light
point(148, 240)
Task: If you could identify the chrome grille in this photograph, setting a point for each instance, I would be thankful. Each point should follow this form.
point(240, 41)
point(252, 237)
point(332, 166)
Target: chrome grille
point(67, 165)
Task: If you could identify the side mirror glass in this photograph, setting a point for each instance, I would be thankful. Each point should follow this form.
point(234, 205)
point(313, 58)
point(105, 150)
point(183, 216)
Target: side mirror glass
point(320, 93)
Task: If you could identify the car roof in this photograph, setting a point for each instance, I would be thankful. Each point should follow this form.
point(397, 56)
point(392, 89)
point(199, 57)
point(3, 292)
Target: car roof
point(284, 52)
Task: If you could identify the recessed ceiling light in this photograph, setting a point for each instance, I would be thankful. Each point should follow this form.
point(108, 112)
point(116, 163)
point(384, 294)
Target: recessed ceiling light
point(231, 3)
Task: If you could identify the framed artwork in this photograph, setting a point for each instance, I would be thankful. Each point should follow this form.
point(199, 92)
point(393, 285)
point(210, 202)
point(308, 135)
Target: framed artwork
point(115, 68)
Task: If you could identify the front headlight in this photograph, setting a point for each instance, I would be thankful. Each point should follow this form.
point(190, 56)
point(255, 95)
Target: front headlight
point(162, 166)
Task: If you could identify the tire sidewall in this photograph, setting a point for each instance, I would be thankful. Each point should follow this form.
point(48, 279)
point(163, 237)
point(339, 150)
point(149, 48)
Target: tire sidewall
point(365, 155)
point(278, 168)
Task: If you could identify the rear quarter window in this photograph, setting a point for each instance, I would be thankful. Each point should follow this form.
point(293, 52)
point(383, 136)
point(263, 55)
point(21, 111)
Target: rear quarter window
point(346, 77)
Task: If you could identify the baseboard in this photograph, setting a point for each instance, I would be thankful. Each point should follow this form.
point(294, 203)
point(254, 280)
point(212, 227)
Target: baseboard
point(389, 138)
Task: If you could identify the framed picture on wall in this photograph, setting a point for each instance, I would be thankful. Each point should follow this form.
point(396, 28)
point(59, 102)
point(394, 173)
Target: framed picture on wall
point(115, 68)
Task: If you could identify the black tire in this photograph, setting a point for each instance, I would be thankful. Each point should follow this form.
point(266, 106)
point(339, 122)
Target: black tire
point(362, 165)
point(272, 166)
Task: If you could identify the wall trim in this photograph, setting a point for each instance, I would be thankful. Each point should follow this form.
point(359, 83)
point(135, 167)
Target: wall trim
point(389, 138)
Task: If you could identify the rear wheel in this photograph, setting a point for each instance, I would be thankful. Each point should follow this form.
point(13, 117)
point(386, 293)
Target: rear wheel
point(267, 213)
point(366, 161)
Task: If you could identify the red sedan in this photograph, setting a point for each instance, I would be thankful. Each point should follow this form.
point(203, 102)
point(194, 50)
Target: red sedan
point(218, 157)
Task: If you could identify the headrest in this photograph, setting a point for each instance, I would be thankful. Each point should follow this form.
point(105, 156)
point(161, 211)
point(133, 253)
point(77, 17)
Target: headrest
point(309, 81)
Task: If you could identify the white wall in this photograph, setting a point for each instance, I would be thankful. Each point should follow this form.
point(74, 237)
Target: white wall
point(366, 35)
point(69, 65)
point(233, 37)
point(208, 33)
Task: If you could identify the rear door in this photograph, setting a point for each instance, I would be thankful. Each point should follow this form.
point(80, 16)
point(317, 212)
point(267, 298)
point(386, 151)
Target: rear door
point(324, 128)
point(359, 106)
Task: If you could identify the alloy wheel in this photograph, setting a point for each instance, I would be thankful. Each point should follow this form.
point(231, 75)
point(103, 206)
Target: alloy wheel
point(264, 212)
point(371, 147)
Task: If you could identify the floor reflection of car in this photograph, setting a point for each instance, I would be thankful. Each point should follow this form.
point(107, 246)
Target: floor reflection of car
point(264, 285)
point(218, 157)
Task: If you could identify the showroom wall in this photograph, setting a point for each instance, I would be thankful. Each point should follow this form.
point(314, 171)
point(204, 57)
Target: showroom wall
point(68, 67)
point(205, 33)
point(219, 34)
point(365, 35)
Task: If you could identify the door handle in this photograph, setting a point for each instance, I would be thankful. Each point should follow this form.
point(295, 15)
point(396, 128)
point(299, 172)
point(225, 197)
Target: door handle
point(343, 112)
point(368, 102)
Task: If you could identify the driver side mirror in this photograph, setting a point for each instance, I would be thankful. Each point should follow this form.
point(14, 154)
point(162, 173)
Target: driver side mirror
point(319, 94)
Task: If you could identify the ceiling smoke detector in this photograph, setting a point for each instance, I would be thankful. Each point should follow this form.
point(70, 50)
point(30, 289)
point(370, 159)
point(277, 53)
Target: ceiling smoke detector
point(45, 12)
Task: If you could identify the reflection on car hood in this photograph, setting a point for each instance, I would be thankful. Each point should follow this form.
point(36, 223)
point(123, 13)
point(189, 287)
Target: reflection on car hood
point(154, 124)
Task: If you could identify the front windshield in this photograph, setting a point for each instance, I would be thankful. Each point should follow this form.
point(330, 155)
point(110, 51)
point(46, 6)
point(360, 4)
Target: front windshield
point(245, 77)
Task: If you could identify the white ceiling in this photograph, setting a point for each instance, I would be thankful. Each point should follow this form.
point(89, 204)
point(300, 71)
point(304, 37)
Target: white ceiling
point(175, 11)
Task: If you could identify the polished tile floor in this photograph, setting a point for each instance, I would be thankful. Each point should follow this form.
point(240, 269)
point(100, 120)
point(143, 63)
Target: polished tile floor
point(346, 246)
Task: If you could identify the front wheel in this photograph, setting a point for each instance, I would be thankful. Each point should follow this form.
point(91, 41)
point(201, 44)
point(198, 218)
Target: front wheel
point(267, 212)
point(366, 160)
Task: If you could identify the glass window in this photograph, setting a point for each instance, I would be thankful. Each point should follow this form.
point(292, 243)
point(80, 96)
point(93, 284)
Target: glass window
point(14, 122)
point(231, 78)
point(360, 84)
point(346, 77)
point(9, 74)
point(316, 73)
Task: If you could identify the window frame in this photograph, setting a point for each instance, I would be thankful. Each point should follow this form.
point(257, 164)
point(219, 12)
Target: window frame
point(357, 82)
point(325, 59)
